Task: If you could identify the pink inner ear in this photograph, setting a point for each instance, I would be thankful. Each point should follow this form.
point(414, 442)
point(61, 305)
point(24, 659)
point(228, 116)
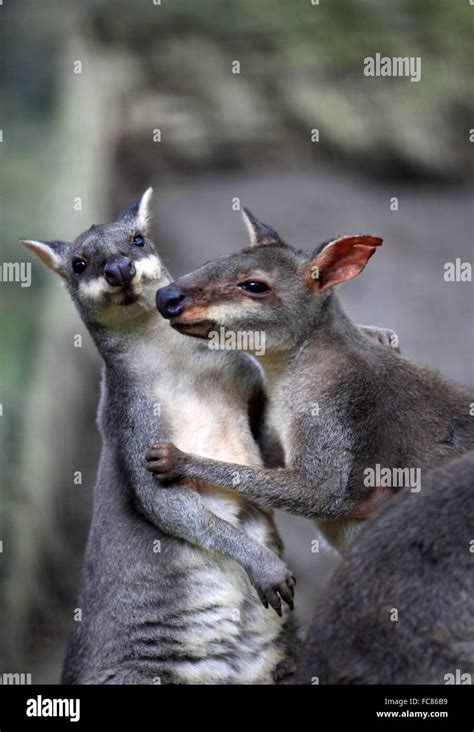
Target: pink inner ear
point(343, 259)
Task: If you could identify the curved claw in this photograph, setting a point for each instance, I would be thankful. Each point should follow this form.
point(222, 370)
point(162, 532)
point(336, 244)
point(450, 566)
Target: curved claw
point(274, 601)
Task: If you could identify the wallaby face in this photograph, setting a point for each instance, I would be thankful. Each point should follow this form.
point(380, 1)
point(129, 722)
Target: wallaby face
point(249, 290)
point(260, 288)
point(111, 270)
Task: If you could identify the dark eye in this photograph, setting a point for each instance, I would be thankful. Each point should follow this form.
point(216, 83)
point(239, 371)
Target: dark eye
point(138, 240)
point(78, 266)
point(254, 287)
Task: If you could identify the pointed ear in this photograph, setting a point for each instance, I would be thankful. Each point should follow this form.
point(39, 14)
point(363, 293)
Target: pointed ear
point(340, 260)
point(139, 213)
point(51, 253)
point(259, 233)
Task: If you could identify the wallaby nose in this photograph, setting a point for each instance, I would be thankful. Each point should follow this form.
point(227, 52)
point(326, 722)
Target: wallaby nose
point(119, 271)
point(170, 301)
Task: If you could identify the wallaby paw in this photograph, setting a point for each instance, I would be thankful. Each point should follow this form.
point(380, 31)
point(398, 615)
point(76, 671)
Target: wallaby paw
point(385, 336)
point(277, 583)
point(165, 461)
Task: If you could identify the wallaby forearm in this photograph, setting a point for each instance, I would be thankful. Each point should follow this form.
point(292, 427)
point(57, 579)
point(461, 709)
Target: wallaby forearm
point(181, 512)
point(266, 486)
point(287, 489)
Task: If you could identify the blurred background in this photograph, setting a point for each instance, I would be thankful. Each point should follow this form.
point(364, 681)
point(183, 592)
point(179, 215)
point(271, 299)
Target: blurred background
point(100, 100)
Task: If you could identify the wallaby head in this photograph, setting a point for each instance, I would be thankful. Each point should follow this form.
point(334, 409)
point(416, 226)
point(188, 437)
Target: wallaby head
point(269, 286)
point(112, 270)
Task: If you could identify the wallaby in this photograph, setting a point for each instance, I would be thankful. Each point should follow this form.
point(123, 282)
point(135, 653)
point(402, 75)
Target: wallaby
point(356, 422)
point(400, 607)
point(167, 593)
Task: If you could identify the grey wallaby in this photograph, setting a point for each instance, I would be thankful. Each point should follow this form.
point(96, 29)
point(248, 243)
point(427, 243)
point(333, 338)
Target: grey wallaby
point(173, 580)
point(400, 607)
point(356, 422)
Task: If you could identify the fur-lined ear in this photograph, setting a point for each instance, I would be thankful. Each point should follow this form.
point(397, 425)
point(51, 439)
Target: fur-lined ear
point(139, 214)
point(51, 253)
point(259, 233)
point(340, 260)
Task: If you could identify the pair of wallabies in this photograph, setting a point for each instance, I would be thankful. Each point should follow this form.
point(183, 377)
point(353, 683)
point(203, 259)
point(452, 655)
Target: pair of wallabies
point(178, 575)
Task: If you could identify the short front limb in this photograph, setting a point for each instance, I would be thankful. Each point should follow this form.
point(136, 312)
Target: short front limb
point(291, 490)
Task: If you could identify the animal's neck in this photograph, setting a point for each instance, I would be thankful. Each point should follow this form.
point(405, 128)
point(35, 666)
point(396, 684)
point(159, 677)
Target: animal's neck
point(143, 342)
point(332, 335)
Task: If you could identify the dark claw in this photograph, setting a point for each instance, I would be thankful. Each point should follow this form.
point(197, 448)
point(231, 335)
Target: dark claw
point(263, 599)
point(162, 477)
point(275, 602)
point(286, 593)
point(152, 466)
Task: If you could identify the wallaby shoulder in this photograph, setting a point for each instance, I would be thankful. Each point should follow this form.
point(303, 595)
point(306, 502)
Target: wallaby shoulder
point(389, 406)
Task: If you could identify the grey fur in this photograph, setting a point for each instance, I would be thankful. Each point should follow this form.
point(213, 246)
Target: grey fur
point(415, 557)
point(188, 612)
point(374, 406)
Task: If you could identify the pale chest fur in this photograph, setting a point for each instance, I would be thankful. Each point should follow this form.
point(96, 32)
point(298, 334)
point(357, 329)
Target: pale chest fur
point(205, 414)
point(211, 428)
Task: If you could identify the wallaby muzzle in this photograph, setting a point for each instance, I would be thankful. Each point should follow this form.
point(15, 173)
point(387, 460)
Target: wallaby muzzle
point(170, 301)
point(119, 271)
